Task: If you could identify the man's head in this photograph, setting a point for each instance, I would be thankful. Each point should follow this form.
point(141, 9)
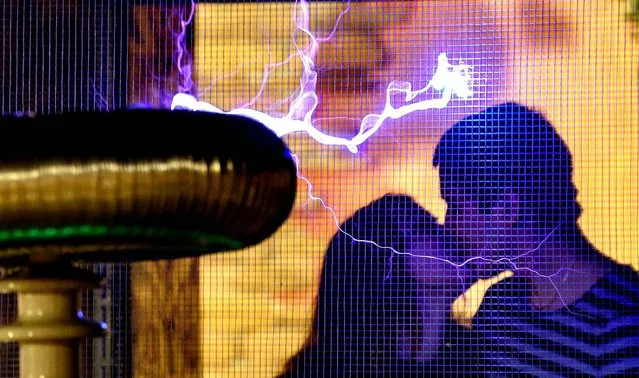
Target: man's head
point(503, 168)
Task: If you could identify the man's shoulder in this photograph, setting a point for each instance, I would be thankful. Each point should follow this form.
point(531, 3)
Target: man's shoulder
point(619, 288)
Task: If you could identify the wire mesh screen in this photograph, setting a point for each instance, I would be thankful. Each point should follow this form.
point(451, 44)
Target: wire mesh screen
point(468, 193)
point(67, 57)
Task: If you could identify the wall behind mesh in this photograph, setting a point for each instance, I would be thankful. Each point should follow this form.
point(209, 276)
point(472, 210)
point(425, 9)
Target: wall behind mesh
point(67, 56)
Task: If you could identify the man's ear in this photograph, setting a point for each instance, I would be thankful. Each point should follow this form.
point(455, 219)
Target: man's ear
point(507, 208)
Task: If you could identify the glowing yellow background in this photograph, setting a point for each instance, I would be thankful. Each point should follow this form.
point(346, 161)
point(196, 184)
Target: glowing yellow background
point(577, 61)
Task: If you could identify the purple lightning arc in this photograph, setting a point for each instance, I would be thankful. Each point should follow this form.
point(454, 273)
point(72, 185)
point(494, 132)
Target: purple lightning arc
point(450, 80)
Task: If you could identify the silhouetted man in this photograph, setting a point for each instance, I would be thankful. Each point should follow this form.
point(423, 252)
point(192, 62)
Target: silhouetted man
point(506, 176)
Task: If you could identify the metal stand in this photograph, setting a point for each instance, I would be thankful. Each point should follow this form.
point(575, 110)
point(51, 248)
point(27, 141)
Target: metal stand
point(49, 324)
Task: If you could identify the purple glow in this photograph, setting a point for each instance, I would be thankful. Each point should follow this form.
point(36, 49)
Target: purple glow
point(184, 68)
point(451, 80)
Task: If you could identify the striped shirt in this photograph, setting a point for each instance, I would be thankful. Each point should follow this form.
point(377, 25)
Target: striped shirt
point(597, 336)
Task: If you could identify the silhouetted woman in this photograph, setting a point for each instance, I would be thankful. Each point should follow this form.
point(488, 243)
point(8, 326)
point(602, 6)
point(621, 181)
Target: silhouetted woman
point(380, 311)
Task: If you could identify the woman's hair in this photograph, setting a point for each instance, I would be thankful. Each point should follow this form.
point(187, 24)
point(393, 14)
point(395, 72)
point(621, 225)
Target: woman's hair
point(365, 296)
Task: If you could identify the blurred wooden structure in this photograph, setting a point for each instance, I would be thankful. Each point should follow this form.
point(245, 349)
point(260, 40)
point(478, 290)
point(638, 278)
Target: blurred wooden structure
point(165, 294)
